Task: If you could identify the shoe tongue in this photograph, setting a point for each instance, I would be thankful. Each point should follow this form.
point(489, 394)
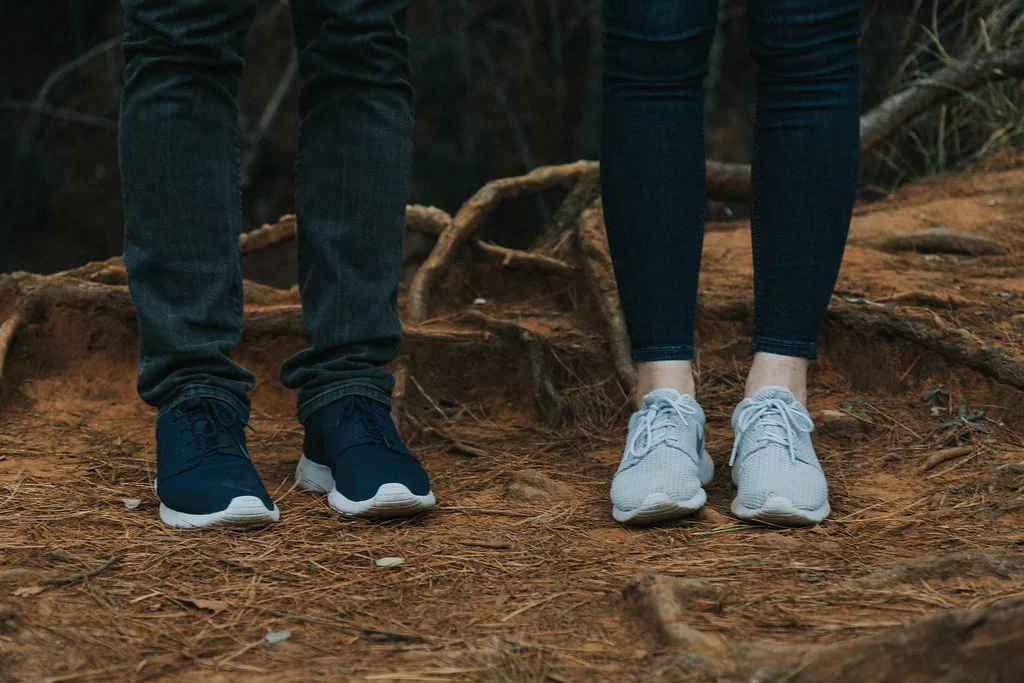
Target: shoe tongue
point(666, 394)
point(770, 393)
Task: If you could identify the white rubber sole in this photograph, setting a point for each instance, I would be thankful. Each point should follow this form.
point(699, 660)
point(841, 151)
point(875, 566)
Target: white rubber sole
point(658, 507)
point(391, 500)
point(780, 511)
point(243, 511)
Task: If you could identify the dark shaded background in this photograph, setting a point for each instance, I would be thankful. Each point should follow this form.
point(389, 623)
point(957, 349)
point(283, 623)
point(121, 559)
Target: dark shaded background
point(502, 86)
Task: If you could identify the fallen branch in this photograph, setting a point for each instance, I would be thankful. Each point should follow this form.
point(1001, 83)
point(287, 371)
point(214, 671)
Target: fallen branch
point(904, 106)
point(600, 277)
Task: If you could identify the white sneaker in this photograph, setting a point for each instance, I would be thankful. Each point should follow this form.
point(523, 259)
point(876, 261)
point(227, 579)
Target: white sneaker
point(665, 465)
point(775, 469)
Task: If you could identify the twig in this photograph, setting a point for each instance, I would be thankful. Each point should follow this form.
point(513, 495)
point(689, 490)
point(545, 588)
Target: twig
point(81, 576)
point(90, 120)
point(255, 152)
point(38, 106)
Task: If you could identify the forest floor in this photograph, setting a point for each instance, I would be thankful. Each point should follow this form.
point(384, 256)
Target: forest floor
point(520, 572)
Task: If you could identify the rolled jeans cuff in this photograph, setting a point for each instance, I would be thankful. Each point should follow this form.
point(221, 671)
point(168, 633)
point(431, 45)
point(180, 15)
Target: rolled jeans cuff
point(649, 354)
point(782, 347)
point(191, 391)
point(335, 392)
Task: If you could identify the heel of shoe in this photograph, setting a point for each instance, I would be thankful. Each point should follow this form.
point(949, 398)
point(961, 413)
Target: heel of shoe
point(313, 476)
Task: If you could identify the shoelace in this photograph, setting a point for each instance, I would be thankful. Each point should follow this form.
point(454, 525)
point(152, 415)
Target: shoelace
point(773, 412)
point(204, 423)
point(654, 427)
point(369, 413)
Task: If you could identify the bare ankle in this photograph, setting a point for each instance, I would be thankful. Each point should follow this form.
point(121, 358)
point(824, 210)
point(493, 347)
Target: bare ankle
point(664, 374)
point(769, 369)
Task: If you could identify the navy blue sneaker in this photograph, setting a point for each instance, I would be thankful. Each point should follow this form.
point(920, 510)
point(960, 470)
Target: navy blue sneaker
point(353, 453)
point(204, 474)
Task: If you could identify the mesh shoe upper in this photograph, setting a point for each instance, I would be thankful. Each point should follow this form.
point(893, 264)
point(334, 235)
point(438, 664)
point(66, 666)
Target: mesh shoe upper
point(357, 439)
point(664, 451)
point(773, 455)
point(202, 462)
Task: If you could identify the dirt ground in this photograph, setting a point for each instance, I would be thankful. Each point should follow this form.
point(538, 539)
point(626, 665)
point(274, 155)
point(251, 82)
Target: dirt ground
point(520, 572)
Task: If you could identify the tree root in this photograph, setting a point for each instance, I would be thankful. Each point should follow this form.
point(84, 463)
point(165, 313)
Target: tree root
point(597, 263)
point(473, 213)
point(537, 349)
point(979, 644)
point(939, 241)
point(930, 332)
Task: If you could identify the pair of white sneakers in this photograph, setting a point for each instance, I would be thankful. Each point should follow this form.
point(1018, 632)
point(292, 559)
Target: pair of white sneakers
point(665, 467)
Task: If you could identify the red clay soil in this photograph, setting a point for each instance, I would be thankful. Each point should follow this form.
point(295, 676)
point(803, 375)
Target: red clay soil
point(521, 574)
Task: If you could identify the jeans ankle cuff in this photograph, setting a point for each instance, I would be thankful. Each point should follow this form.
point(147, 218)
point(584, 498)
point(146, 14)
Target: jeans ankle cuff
point(336, 392)
point(782, 347)
point(649, 354)
point(190, 392)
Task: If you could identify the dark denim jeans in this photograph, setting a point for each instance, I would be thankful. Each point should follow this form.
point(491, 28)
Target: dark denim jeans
point(805, 164)
point(182, 194)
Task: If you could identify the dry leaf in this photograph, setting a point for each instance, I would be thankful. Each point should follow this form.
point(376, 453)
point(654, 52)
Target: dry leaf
point(210, 605)
point(28, 591)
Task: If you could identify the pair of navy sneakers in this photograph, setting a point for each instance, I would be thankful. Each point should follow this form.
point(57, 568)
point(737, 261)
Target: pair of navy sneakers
point(352, 452)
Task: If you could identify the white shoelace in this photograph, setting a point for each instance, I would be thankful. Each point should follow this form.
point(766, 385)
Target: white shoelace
point(655, 425)
point(775, 413)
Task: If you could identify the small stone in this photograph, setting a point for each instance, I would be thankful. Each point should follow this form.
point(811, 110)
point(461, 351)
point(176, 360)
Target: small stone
point(839, 425)
point(131, 503)
point(479, 301)
point(390, 561)
point(278, 636)
point(533, 486)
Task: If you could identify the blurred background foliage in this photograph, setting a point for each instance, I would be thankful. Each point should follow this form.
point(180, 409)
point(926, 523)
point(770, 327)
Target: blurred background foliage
point(502, 86)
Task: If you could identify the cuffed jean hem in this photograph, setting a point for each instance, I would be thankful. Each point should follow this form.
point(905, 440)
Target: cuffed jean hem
point(334, 392)
point(782, 347)
point(191, 391)
point(651, 354)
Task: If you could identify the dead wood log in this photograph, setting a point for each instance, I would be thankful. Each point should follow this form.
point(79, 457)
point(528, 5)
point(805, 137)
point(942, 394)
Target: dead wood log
point(597, 265)
point(939, 241)
point(968, 645)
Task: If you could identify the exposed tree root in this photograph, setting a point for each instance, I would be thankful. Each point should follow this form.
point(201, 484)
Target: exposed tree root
point(7, 332)
point(476, 209)
point(940, 241)
point(724, 181)
point(1004, 564)
point(930, 332)
point(597, 264)
point(537, 350)
point(981, 644)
